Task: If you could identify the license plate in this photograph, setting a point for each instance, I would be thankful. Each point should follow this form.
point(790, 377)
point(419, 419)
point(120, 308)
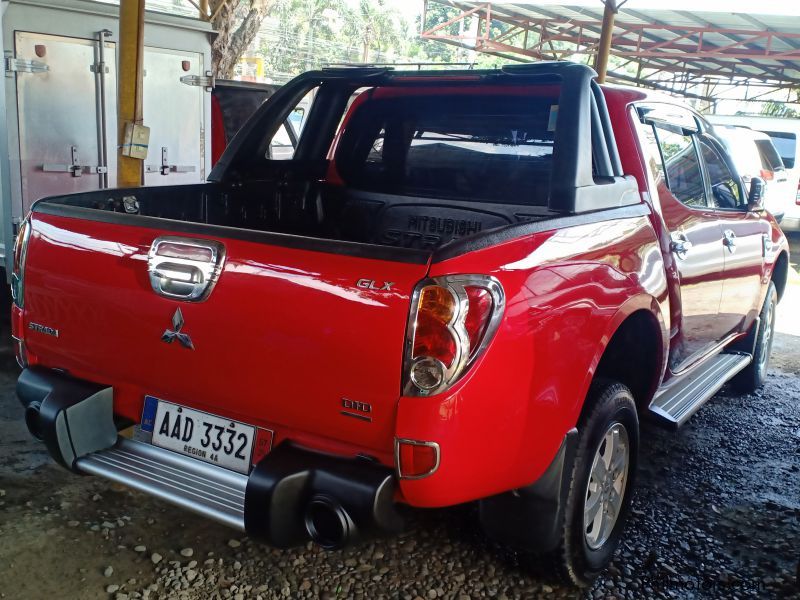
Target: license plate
point(203, 436)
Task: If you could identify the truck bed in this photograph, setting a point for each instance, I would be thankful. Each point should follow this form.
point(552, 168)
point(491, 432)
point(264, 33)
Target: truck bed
point(319, 211)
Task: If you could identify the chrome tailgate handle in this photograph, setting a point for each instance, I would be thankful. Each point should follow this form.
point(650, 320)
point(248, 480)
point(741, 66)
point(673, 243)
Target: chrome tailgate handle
point(184, 268)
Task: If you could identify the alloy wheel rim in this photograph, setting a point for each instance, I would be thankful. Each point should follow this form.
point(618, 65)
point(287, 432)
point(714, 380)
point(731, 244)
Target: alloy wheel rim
point(605, 489)
point(766, 339)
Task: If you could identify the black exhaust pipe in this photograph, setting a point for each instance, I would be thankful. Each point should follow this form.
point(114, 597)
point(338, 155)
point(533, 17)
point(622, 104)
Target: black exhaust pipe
point(33, 419)
point(328, 523)
point(295, 494)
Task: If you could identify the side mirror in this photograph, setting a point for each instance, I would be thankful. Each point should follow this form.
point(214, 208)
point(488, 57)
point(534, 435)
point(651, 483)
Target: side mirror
point(755, 198)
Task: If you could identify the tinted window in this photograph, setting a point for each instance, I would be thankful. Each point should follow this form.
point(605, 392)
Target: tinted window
point(786, 144)
point(724, 187)
point(769, 156)
point(495, 148)
point(684, 177)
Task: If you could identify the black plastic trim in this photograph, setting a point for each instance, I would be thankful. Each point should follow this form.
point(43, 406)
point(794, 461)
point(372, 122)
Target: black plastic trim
point(75, 417)
point(285, 240)
point(510, 232)
point(283, 484)
point(531, 518)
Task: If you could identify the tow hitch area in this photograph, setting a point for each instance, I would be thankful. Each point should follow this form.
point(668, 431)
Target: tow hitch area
point(291, 496)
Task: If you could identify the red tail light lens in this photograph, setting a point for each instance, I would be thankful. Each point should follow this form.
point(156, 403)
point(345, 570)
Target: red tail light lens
point(452, 320)
point(432, 338)
point(767, 175)
point(480, 310)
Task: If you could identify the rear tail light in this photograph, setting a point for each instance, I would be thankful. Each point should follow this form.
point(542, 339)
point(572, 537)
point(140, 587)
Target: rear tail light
point(18, 272)
point(767, 175)
point(452, 320)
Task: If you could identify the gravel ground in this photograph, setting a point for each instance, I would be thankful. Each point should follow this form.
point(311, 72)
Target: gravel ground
point(716, 514)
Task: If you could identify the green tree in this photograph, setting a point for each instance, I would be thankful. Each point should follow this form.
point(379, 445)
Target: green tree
point(236, 26)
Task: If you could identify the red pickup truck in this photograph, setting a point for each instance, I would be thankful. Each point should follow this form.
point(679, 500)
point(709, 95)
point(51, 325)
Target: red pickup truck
point(459, 286)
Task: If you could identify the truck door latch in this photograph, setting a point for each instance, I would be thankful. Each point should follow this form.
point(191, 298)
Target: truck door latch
point(165, 168)
point(75, 168)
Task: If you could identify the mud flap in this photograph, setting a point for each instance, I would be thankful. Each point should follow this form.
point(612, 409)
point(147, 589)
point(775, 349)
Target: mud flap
point(530, 518)
point(75, 418)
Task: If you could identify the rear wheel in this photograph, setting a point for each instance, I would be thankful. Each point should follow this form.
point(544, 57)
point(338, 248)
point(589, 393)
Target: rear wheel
point(600, 487)
point(755, 374)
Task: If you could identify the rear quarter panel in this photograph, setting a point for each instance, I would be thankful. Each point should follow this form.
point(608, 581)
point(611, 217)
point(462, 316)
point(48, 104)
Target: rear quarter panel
point(567, 291)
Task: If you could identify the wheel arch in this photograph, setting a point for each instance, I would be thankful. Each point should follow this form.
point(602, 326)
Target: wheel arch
point(635, 350)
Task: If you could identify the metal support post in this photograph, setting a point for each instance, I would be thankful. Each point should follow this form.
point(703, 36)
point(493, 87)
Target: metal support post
point(606, 33)
point(131, 79)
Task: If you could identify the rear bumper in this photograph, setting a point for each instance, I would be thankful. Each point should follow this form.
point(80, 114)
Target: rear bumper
point(291, 496)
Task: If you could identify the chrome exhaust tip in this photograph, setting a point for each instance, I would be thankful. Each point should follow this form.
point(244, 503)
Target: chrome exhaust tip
point(328, 523)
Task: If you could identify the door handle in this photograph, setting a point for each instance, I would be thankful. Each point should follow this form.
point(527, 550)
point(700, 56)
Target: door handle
point(680, 246)
point(729, 240)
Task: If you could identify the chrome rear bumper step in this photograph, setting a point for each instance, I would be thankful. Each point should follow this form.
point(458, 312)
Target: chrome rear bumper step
point(675, 403)
point(206, 489)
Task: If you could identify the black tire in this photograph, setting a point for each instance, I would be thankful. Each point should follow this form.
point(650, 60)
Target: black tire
point(754, 375)
point(609, 405)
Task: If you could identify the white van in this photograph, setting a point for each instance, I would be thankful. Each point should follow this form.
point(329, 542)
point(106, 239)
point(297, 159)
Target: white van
point(785, 135)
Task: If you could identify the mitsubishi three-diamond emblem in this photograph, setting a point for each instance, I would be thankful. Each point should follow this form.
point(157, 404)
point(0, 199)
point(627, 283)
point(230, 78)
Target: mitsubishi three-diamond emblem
point(175, 333)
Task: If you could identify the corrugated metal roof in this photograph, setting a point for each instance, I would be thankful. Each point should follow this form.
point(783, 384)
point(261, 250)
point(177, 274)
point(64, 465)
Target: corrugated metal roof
point(707, 44)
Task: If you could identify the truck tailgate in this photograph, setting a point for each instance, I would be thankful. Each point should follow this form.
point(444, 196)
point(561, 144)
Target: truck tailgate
point(286, 338)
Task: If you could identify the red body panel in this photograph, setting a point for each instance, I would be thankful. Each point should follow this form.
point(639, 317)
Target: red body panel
point(566, 292)
point(278, 343)
point(286, 334)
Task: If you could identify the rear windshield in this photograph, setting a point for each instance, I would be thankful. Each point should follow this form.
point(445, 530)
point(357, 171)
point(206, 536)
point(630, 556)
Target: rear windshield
point(461, 146)
point(770, 160)
point(786, 144)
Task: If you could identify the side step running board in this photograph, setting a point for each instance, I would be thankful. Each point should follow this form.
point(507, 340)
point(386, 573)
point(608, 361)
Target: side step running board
point(676, 402)
point(206, 489)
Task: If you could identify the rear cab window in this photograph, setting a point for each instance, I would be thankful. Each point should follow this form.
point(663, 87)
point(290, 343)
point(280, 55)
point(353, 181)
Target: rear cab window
point(481, 147)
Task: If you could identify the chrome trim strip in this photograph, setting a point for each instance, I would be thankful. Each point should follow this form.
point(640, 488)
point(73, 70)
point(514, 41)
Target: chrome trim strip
point(434, 445)
point(355, 415)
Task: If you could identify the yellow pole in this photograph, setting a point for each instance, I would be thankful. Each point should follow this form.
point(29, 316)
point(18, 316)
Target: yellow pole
point(606, 33)
point(204, 9)
point(131, 74)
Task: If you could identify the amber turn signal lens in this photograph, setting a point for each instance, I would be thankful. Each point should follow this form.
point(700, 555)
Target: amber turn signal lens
point(432, 338)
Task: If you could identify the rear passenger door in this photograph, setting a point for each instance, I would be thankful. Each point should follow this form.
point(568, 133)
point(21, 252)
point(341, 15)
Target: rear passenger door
point(695, 235)
point(743, 233)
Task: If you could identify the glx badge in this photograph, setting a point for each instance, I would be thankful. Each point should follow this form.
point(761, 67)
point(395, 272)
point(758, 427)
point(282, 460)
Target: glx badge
point(371, 284)
point(175, 333)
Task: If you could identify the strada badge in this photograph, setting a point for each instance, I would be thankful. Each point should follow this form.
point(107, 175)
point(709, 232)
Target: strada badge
point(43, 329)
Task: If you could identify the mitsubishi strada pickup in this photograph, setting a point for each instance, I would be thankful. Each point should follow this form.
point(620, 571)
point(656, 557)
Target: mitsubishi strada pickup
point(463, 286)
